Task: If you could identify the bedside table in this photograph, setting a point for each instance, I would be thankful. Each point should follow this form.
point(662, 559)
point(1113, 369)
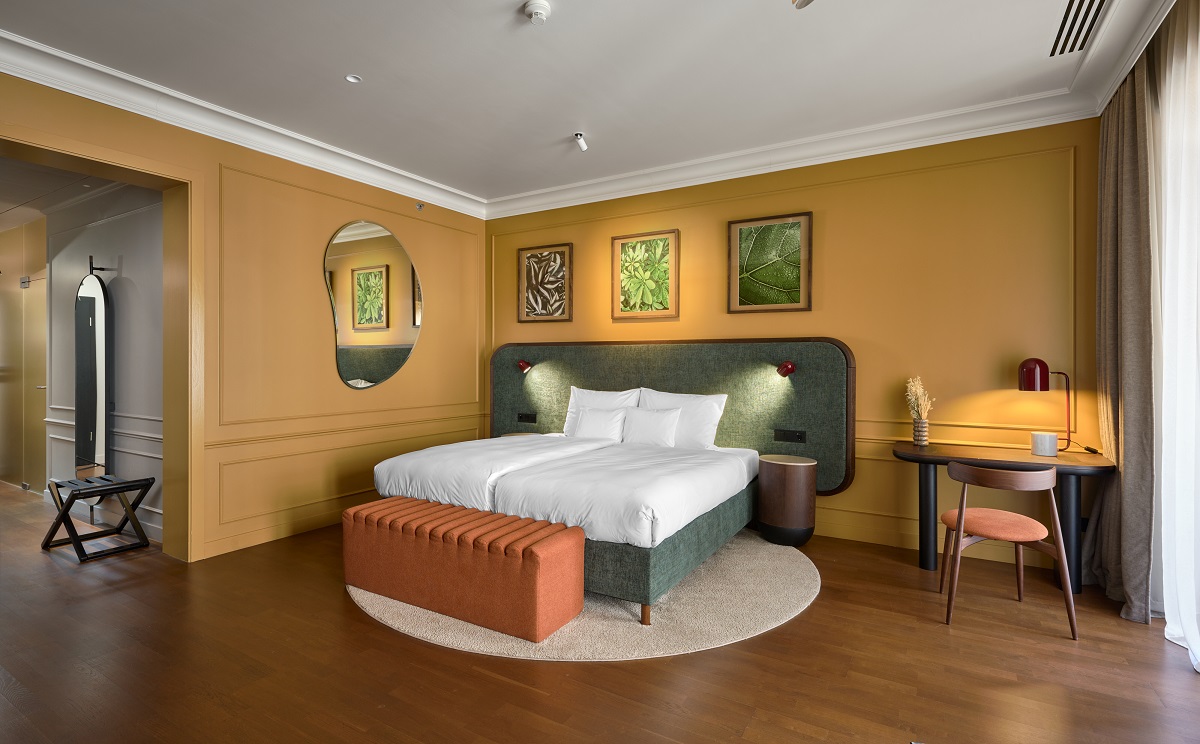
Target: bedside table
point(787, 498)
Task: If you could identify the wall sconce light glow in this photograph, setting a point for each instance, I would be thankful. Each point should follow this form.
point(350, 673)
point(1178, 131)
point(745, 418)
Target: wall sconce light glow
point(786, 369)
point(353, 78)
point(524, 366)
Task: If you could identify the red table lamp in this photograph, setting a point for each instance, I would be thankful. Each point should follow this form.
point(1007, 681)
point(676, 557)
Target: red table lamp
point(1034, 375)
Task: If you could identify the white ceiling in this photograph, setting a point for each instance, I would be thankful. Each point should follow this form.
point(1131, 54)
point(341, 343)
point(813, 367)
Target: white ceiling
point(466, 104)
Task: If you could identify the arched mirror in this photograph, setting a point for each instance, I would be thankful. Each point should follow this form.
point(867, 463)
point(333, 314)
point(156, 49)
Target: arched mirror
point(93, 378)
point(376, 300)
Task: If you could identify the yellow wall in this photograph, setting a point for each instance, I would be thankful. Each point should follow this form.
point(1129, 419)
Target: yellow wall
point(952, 262)
point(340, 261)
point(261, 437)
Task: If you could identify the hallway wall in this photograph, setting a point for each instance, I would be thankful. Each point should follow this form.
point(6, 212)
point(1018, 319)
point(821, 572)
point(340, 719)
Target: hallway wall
point(120, 227)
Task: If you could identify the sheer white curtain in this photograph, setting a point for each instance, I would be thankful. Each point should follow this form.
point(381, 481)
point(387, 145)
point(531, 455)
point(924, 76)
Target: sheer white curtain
point(1175, 180)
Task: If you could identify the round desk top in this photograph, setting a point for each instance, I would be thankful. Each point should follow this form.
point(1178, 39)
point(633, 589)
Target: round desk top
point(787, 459)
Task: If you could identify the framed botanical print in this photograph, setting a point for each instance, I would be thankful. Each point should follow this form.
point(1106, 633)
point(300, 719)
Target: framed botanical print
point(418, 305)
point(544, 283)
point(770, 264)
point(370, 285)
point(645, 275)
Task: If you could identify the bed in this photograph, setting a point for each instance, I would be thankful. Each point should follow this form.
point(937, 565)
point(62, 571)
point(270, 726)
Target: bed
point(632, 558)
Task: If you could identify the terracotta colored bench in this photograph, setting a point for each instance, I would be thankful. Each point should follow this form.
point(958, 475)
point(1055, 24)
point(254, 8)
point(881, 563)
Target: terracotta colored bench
point(523, 577)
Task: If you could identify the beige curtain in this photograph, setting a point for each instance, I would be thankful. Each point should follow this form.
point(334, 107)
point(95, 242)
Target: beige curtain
point(1118, 546)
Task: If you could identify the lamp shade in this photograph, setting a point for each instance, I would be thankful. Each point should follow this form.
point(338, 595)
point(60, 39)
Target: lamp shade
point(524, 366)
point(786, 369)
point(1033, 375)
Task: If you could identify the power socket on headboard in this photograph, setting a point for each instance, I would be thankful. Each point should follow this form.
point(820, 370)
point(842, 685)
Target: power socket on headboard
point(790, 435)
point(526, 418)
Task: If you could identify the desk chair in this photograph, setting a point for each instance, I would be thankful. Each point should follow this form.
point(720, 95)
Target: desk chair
point(967, 526)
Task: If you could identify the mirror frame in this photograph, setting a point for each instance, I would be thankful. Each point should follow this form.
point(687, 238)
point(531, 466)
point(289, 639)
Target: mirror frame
point(333, 303)
point(104, 418)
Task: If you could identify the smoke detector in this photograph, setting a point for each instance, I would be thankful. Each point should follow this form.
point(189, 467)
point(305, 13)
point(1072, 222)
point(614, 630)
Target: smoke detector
point(538, 11)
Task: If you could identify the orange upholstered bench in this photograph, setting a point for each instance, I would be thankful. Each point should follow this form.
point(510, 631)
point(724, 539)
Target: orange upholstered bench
point(523, 577)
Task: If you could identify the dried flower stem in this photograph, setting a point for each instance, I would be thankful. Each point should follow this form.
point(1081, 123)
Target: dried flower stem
point(919, 402)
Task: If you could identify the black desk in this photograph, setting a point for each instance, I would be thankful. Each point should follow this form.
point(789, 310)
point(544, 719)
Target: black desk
point(1071, 466)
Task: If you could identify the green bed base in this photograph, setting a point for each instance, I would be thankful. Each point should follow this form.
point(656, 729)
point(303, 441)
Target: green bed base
point(644, 574)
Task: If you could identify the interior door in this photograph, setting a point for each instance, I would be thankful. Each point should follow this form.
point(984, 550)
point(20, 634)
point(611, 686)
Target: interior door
point(35, 321)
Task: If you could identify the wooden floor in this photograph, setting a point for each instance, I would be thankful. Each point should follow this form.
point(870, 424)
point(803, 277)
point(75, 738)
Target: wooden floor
point(265, 645)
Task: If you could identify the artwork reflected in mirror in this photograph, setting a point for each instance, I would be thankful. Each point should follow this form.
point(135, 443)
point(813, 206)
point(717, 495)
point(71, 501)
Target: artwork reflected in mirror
point(93, 378)
point(372, 284)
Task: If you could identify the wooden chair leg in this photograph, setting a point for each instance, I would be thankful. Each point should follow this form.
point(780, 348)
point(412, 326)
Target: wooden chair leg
point(1063, 573)
point(945, 560)
point(645, 614)
point(958, 546)
point(1020, 550)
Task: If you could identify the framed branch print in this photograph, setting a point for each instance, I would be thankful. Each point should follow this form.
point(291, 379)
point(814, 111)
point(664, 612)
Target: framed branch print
point(370, 285)
point(645, 275)
point(770, 264)
point(544, 277)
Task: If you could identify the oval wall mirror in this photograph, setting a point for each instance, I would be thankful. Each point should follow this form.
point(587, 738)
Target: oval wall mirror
point(375, 296)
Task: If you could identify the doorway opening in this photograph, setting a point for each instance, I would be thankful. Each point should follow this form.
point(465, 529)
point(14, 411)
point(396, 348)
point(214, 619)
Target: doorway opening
point(80, 233)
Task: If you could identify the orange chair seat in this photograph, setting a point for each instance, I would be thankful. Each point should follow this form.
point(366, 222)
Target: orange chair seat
point(995, 524)
point(523, 577)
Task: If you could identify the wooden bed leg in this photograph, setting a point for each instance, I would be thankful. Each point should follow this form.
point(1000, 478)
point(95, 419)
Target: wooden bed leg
point(645, 614)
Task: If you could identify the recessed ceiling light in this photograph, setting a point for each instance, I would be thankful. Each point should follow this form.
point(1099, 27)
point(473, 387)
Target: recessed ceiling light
point(353, 78)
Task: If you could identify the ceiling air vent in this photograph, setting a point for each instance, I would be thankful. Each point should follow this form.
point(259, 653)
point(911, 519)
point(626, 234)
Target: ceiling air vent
point(1076, 27)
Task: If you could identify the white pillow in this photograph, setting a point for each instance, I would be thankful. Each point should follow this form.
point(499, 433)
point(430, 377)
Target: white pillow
point(601, 423)
point(581, 398)
point(698, 415)
point(650, 426)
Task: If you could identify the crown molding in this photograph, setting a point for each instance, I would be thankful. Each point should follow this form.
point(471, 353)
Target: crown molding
point(1105, 66)
point(1098, 70)
point(38, 63)
point(1054, 107)
point(360, 231)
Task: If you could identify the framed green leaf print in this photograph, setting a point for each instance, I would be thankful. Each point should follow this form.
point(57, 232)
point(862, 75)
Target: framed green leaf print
point(370, 285)
point(770, 264)
point(645, 275)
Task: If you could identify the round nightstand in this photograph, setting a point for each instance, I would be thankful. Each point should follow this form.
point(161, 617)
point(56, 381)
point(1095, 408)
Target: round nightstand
point(787, 498)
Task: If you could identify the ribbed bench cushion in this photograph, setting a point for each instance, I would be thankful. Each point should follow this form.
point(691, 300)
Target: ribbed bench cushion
point(519, 576)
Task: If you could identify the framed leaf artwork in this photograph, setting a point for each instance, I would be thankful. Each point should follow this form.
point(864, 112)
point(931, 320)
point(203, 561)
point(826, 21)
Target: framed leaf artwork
point(370, 285)
point(770, 264)
point(544, 279)
point(645, 275)
point(418, 304)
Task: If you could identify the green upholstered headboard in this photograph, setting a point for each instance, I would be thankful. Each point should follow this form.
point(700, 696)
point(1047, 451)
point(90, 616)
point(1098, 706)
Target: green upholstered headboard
point(818, 399)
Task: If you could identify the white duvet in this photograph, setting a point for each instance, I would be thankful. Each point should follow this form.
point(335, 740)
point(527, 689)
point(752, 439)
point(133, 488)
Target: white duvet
point(465, 473)
point(628, 493)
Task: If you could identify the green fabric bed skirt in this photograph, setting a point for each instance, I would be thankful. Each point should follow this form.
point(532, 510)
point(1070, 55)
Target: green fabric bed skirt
point(643, 575)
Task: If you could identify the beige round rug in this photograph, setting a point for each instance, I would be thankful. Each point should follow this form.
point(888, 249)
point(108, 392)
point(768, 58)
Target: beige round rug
point(747, 587)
